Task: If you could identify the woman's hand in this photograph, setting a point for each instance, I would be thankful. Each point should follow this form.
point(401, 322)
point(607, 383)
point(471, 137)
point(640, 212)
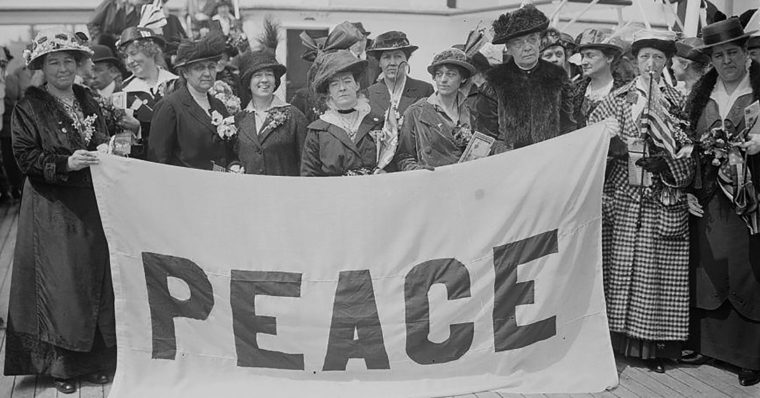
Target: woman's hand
point(129, 122)
point(81, 159)
point(752, 145)
point(694, 207)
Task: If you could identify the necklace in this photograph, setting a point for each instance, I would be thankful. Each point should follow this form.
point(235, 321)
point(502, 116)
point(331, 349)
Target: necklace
point(347, 123)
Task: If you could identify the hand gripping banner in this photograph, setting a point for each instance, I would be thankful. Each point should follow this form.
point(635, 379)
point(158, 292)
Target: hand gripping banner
point(484, 275)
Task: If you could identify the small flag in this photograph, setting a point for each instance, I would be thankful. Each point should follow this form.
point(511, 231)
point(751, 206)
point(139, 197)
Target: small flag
point(152, 16)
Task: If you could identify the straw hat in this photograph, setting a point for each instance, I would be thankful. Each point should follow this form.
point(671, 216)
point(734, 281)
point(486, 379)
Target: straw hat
point(50, 41)
point(600, 39)
point(662, 40)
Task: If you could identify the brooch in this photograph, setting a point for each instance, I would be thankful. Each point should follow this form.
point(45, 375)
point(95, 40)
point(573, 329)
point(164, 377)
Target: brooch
point(632, 97)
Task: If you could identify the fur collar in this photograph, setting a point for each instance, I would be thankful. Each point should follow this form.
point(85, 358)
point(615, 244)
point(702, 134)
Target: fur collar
point(700, 94)
point(502, 76)
point(51, 110)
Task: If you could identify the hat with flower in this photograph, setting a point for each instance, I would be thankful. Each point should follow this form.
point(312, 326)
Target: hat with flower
point(553, 37)
point(329, 64)
point(391, 41)
point(523, 21)
point(208, 48)
point(53, 40)
point(451, 56)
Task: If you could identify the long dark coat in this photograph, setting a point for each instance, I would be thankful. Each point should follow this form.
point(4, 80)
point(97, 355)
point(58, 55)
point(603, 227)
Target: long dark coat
point(521, 108)
point(272, 151)
point(183, 134)
point(645, 243)
point(380, 98)
point(729, 271)
point(61, 288)
point(329, 151)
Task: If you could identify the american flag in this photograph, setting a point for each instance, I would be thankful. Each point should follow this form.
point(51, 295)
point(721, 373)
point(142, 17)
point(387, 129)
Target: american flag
point(658, 123)
point(152, 16)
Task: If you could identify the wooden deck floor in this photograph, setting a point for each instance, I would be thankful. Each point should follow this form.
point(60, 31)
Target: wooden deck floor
point(636, 381)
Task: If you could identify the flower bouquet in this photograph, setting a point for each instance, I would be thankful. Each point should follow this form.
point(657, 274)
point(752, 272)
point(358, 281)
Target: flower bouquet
point(227, 133)
point(223, 92)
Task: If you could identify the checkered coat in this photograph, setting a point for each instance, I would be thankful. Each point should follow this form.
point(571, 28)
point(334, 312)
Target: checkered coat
point(645, 243)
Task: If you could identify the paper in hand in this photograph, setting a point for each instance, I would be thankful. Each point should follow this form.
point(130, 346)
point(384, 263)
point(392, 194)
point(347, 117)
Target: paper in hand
point(119, 100)
point(751, 118)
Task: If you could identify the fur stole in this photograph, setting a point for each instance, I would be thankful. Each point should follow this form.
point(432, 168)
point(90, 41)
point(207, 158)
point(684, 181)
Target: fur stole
point(529, 102)
point(47, 107)
point(700, 94)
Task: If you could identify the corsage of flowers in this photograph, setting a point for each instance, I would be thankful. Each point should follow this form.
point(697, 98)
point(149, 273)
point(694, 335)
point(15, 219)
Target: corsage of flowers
point(462, 134)
point(87, 128)
point(225, 127)
point(719, 142)
point(111, 114)
point(277, 117)
point(223, 92)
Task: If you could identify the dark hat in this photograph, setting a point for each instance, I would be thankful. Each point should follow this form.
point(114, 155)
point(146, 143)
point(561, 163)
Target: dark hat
point(313, 46)
point(552, 37)
point(686, 48)
point(222, 3)
point(600, 39)
point(254, 61)
point(753, 42)
point(662, 40)
point(8, 56)
point(723, 32)
point(329, 64)
point(451, 56)
point(103, 54)
point(210, 47)
point(133, 33)
point(361, 28)
point(746, 16)
point(391, 41)
point(523, 21)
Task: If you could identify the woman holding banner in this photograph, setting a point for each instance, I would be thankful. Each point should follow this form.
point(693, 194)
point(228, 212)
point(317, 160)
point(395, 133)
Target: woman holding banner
point(726, 234)
point(645, 239)
point(339, 142)
point(61, 309)
point(437, 129)
point(271, 131)
point(191, 127)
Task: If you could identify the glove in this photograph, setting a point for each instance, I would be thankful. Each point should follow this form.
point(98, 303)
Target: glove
point(655, 165)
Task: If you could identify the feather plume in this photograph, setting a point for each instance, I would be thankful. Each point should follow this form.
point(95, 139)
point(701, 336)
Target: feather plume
point(270, 37)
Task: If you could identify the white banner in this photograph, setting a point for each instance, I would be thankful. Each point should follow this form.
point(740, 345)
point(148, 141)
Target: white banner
point(479, 276)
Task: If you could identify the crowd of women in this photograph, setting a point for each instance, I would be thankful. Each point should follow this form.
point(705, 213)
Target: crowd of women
point(677, 287)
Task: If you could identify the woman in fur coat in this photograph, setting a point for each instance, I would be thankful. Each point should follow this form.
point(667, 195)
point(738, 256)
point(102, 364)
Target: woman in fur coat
point(726, 236)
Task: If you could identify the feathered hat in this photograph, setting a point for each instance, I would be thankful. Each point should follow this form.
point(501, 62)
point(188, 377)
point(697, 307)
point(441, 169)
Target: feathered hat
point(523, 21)
point(208, 48)
point(254, 61)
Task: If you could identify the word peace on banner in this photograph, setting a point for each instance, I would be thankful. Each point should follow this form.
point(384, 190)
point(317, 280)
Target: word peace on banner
point(484, 275)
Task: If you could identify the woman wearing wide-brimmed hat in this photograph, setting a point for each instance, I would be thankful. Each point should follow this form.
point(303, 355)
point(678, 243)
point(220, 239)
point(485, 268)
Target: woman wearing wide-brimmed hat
point(339, 142)
point(142, 52)
point(645, 238)
point(271, 132)
point(726, 231)
point(600, 50)
point(191, 127)
point(395, 90)
point(437, 129)
point(60, 314)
